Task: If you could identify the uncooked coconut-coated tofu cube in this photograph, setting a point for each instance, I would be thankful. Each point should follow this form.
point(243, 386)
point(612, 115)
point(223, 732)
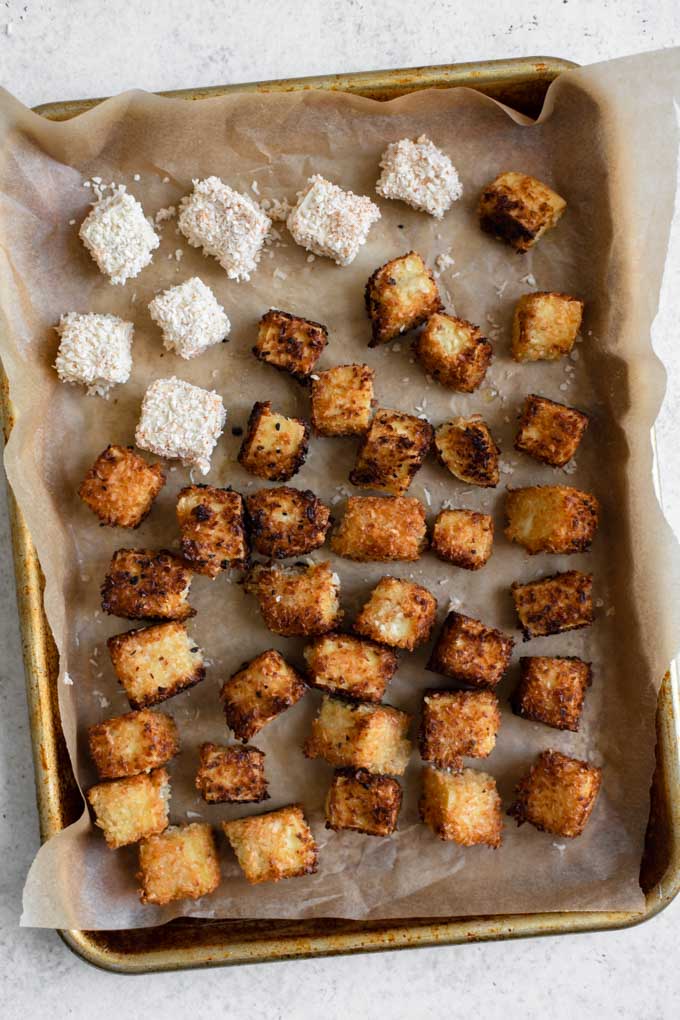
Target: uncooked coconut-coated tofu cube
point(287, 522)
point(362, 802)
point(419, 174)
point(120, 487)
point(400, 296)
point(145, 585)
point(545, 326)
point(258, 692)
point(341, 400)
point(181, 422)
point(94, 351)
point(118, 235)
point(398, 613)
point(372, 737)
point(463, 537)
point(329, 221)
point(550, 432)
point(457, 724)
point(463, 807)
point(470, 652)
point(231, 775)
point(345, 665)
point(466, 447)
point(296, 601)
point(190, 317)
point(381, 528)
point(290, 343)
point(554, 604)
point(454, 352)
point(552, 691)
point(551, 518)
point(274, 447)
point(129, 744)
point(391, 452)
point(128, 810)
point(519, 209)
point(181, 863)
point(557, 794)
point(273, 846)
point(212, 528)
point(155, 663)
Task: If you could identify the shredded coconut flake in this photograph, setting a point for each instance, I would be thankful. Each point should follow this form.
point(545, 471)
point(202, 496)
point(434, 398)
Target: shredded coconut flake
point(419, 174)
point(190, 318)
point(332, 222)
point(94, 350)
point(181, 421)
point(118, 236)
point(443, 261)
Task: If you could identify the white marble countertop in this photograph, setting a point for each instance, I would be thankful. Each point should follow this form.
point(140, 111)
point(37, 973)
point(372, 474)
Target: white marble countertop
point(76, 48)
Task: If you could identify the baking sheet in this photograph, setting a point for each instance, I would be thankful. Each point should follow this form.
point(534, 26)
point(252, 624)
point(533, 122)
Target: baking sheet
point(608, 249)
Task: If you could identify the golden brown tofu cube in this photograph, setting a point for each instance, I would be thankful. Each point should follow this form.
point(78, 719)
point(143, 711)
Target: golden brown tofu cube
point(519, 209)
point(470, 652)
point(133, 743)
point(273, 846)
point(458, 724)
point(372, 737)
point(545, 326)
point(128, 810)
point(155, 663)
point(290, 343)
point(466, 447)
point(287, 522)
point(398, 613)
point(381, 528)
point(463, 807)
point(552, 691)
point(362, 802)
point(297, 601)
point(341, 400)
point(399, 296)
point(391, 452)
point(463, 537)
point(258, 692)
point(145, 585)
point(212, 528)
point(550, 432)
point(181, 863)
point(551, 518)
point(454, 352)
point(554, 604)
point(231, 775)
point(557, 795)
point(345, 665)
point(121, 486)
point(274, 447)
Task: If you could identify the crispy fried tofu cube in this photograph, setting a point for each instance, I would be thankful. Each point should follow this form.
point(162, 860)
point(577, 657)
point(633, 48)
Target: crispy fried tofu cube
point(519, 209)
point(231, 775)
point(550, 432)
point(554, 604)
point(398, 613)
point(274, 447)
point(463, 807)
point(128, 810)
point(463, 537)
point(470, 652)
point(287, 522)
point(136, 742)
point(391, 452)
point(290, 343)
point(120, 487)
point(341, 400)
point(362, 802)
point(212, 528)
point(345, 665)
point(381, 528)
point(155, 663)
point(258, 692)
point(372, 737)
point(458, 724)
point(454, 352)
point(545, 326)
point(466, 447)
point(399, 296)
point(557, 794)
point(552, 691)
point(181, 863)
point(273, 846)
point(145, 585)
point(296, 601)
point(551, 518)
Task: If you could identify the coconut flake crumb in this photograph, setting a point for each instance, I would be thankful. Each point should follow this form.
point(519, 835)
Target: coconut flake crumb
point(117, 235)
point(419, 174)
point(529, 279)
point(329, 221)
point(443, 261)
point(168, 212)
point(94, 351)
point(68, 680)
point(181, 421)
point(277, 209)
point(190, 318)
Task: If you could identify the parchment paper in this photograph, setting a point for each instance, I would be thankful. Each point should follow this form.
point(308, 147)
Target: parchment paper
point(607, 142)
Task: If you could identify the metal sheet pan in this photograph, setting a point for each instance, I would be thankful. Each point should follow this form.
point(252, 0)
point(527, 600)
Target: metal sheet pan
point(522, 84)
